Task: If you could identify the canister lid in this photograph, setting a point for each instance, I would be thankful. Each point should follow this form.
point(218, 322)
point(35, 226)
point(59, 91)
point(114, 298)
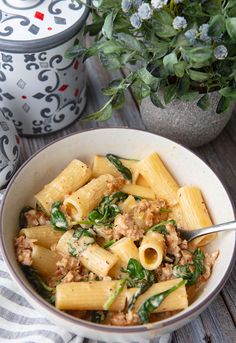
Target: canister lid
point(36, 25)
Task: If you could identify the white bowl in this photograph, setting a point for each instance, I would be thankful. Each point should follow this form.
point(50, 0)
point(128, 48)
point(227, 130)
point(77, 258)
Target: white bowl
point(186, 167)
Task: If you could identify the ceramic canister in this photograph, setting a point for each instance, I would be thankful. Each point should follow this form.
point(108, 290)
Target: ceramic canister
point(41, 89)
point(9, 149)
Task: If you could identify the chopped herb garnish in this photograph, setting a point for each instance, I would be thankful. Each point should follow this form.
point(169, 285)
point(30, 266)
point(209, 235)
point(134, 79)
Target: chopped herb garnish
point(137, 197)
point(58, 219)
point(119, 288)
point(191, 271)
point(108, 244)
point(161, 227)
point(48, 293)
point(115, 160)
point(22, 219)
point(154, 302)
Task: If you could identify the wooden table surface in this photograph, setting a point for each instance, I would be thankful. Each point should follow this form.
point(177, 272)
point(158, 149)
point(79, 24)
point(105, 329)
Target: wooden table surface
point(217, 323)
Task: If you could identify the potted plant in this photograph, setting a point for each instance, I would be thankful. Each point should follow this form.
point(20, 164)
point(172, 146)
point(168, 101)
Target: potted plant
point(180, 56)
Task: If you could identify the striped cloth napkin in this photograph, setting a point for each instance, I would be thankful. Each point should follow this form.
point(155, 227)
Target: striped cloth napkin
point(21, 323)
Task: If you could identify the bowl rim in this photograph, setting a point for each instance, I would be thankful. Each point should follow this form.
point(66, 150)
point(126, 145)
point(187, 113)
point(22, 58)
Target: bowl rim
point(108, 328)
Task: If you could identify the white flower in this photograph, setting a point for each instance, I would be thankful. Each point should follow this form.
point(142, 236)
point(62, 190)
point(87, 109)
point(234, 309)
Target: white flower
point(126, 5)
point(179, 23)
point(145, 11)
point(135, 21)
point(191, 36)
point(203, 29)
point(158, 4)
point(220, 52)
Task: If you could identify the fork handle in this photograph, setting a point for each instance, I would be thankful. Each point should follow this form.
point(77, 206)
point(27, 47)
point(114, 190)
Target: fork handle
point(211, 229)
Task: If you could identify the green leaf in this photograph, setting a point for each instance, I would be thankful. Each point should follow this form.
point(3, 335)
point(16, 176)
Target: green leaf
point(198, 75)
point(145, 76)
point(74, 51)
point(223, 105)
point(216, 26)
point(204, 102)
point(163, 30)
point(228, 92)
point(108, 244)
point(180, 40)
point(161, 227)
point(118, 101)
point(189, 96)
point(135, 269)
point(115, 160)
point(140, 90)
point(108, 25)
point(118, 289)
point(199, 54)
point(169, 61)
point(163, 17)
point(155, 100)
point(179, 68)
point(212, 7)
point(231, 28)
point(155, 301)
point(104, 114)
point(129, 41)
point(110, 62)
point(58, 219)
point(169, 93)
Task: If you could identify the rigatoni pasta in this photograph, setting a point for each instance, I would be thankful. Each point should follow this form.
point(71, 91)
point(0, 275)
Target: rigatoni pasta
point(159, 178)
point(75, 175)
point(88, 296)
point(112, 248)
point(195, 212)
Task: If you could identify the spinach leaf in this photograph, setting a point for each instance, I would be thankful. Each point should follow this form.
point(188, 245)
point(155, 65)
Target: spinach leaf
point(58, 219)
point(154, 302)
point(97, 316)
point(107, 210)
point(22, 219)
point(119, 288)
point(72, 250)
point(191, 272)
point(115, 160)
point(48, 293)
point(135, 269)
point(161, 227)
point(138, 277)
point(108, 244)
point(80, 232)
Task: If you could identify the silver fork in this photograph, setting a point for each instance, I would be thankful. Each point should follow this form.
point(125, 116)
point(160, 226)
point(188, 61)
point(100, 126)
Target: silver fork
point(189, 235)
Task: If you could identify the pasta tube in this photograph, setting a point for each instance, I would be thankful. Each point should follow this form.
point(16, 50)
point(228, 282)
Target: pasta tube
point(88, 295)
point(75, 175)
point(151, 250)
point(141, 181)
point(195, 212)
point(177, 300)
point(81, 202)
point(159, 178)
point(98, 260)
point(91, 256)
point(44, 260)
point(101, 165)
point(141, 191)
point(43, 235)
point(124, 249)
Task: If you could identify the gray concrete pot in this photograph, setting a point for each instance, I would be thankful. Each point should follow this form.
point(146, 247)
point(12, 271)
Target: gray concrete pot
point(185, 122)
